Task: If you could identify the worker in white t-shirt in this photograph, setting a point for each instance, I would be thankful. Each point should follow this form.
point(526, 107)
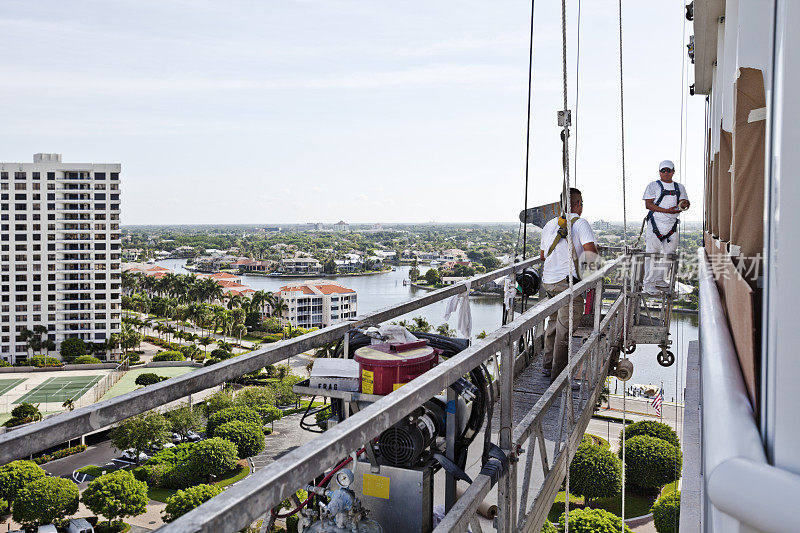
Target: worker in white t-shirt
point(664, 199)
point(557, 267)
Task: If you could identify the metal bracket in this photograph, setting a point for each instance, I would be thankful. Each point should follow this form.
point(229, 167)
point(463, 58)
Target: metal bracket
point(565, 118)
point(374, 467)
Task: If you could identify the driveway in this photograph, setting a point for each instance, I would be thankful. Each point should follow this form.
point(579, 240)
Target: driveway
point(98, 454)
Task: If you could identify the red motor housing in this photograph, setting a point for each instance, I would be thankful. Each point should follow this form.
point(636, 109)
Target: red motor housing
point(385, 367)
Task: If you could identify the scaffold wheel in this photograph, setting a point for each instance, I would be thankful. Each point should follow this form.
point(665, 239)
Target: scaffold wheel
point(665, 357)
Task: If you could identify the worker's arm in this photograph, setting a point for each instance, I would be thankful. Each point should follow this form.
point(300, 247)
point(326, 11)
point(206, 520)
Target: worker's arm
point(590, 260)
point(650, 204)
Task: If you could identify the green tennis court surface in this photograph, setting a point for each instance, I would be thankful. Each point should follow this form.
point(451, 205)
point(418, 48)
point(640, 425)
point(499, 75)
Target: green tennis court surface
point(60, 389)
point(8, 384)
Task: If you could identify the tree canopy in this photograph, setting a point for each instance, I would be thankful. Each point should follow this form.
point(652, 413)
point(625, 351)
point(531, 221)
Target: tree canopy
point(140, 432)
point(44, 500)
point(116, 495)
point(17, 474)
point(184, 501)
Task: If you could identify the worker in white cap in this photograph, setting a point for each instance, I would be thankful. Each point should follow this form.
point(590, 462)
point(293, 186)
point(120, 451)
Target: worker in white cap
point(664, 200)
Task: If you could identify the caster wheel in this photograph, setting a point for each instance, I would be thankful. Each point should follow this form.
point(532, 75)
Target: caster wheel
point(630, 349)
point(665, 358)
point(624, 370)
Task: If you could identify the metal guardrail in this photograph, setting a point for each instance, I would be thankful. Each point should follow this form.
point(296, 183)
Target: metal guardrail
point(243, 503)
point(588, 366)
point(732, 447)
point(31, 439)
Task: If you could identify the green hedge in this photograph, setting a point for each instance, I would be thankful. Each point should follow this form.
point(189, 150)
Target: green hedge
point(230, 414)
point(248, 438)
point(184, 501)
point(172, 355)
point(592, 521)
point(59, 454)
point(666, 513)
point(40, 361)
point(86, 360)
point(651, 428)
point(651, 463)
point(595, 473)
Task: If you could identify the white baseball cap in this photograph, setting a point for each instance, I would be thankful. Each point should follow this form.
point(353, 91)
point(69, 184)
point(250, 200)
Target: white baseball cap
point(666, 164)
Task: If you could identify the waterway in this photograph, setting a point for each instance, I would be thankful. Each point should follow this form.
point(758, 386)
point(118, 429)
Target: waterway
point(378, 291)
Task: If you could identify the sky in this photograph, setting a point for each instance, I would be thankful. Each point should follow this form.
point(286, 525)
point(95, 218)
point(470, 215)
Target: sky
point(270, 112)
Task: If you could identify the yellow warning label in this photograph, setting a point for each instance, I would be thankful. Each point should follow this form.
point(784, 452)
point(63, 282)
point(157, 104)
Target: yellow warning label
point(377, 486)
point(367, 380)
point(397, 386)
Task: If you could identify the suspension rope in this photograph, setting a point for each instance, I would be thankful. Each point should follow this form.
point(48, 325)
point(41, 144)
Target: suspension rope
point(625, 250)
point(528, 137)
point(577, 94)
point(681, 235)
point(567, 206)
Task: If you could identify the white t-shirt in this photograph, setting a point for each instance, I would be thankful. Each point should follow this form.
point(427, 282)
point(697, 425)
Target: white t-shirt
point(559, 265)
point(664, 221)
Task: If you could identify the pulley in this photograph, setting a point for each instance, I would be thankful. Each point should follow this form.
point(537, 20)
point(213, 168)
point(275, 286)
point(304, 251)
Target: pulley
point(624, 370)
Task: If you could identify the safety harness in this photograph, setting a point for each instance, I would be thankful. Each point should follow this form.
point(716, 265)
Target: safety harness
point(664, 192)
point(562, 234)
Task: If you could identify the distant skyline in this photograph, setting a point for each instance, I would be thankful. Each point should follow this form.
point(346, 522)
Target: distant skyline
point(249, 112)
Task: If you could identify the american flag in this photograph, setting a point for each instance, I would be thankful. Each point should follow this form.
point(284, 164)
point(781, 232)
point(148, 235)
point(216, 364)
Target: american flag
point(658, 400)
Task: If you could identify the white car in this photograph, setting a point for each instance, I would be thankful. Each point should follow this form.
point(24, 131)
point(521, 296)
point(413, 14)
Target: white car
point(193, 437)
point(79, 525)
point(47, 528)
point(160, 446)
point(130, 455)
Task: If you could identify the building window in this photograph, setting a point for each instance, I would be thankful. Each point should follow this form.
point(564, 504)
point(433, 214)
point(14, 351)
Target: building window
point(51, 175)
point(36, 175)
point(20, 175)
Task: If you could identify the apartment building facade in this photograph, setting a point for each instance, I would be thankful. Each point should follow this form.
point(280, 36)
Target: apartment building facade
point(318, 303)
point(60, 251)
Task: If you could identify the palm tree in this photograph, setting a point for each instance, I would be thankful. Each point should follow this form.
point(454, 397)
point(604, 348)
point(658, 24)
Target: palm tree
point(280, 307)
point(205, 341)
point(239, 330)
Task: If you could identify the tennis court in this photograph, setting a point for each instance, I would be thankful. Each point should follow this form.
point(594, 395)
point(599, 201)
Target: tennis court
point(8, 384)
point(60, 389)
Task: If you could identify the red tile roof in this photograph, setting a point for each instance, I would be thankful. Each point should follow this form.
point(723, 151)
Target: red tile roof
point(333, 289)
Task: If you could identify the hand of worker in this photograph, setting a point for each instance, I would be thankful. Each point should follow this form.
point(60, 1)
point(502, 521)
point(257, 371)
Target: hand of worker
point(673, 210)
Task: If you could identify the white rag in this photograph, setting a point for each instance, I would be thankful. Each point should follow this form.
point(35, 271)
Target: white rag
point(509, 291)
point(460, 305)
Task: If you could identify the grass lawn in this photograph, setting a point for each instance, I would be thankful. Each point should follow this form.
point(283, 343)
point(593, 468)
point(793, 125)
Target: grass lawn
point(96, 471)
point(241, 471)
point(635, 505)
point(128, 381)
point(159, 495)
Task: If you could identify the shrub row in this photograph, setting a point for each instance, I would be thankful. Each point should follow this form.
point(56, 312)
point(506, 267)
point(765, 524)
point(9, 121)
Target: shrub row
point(40, 361)
point(59, 454)
point(171, 355)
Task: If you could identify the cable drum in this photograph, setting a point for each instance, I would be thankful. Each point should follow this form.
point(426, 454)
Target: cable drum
point(529, 282)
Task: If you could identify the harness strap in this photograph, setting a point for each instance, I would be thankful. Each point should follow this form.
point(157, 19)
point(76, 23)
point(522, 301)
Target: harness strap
point(664, 192)
point(562, 234)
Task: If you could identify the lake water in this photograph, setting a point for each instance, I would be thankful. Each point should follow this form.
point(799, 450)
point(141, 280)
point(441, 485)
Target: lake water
point(382, 290)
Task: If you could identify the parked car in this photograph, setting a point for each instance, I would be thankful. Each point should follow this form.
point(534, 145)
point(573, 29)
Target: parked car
point(160, 446)
point(47, 528)
point(177, 438)
point(193, 437)
point(79, 525)
point(130, 455)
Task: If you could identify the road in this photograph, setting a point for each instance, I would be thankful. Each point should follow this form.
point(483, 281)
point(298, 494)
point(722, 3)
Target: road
point(98, 454)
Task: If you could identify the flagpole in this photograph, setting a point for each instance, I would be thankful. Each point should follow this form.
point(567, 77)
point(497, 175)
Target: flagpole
point(661, 411)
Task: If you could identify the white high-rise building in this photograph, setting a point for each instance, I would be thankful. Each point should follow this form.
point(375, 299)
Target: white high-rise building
point(60, 251)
